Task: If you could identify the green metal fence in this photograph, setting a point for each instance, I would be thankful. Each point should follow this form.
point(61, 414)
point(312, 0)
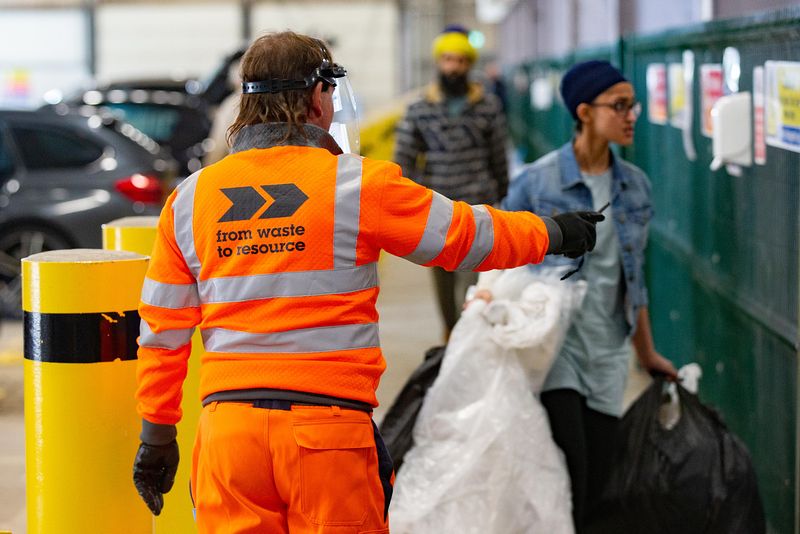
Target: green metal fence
point(723, 256)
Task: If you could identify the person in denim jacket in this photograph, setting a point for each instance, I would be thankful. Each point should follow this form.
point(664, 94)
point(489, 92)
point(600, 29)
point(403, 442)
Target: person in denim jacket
point(583, 391)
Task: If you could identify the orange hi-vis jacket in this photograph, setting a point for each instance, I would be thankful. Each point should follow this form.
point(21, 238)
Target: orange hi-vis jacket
point(273, 253)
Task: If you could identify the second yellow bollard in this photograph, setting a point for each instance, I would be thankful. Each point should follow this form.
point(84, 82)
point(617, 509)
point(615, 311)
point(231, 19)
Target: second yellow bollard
point(134, 234)
point(137, 234)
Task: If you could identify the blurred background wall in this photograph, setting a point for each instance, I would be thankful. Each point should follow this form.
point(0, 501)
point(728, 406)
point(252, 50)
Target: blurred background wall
point(65, 44)
point(385, 43)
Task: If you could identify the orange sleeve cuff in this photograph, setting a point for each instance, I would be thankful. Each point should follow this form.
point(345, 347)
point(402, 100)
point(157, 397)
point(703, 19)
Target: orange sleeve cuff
point(519, 238)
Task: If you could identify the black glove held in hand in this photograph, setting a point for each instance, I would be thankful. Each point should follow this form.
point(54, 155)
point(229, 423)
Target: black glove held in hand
point(154, 472)
point(578, 233)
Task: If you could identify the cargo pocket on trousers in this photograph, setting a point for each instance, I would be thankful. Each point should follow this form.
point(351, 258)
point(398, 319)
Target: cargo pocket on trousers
point(334, 482)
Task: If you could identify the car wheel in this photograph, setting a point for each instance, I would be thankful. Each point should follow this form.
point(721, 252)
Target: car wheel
point(15, 244)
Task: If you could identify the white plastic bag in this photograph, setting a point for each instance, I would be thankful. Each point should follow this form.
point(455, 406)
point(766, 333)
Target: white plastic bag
point(484, 460)
point(670, 412)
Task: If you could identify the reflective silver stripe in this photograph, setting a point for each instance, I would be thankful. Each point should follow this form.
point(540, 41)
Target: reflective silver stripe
point(433, 238)
point(484, 239)
point(173, 296)
point(324, 339)
point(346, 210)
point(292, 284)
point(183, 210)
point(168, 339)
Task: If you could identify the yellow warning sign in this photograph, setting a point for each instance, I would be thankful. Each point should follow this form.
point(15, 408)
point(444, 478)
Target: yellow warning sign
point(782, 92)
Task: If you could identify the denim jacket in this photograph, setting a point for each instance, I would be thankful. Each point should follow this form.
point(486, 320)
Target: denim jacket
point(553, 184)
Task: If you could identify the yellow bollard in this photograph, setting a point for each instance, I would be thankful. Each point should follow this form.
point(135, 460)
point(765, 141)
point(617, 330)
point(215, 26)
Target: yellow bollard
point(137, 234)
point(134, 234)
point(81, 428)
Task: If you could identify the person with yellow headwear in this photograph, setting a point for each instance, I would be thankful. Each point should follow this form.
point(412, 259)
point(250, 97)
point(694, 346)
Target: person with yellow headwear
point(453, 140)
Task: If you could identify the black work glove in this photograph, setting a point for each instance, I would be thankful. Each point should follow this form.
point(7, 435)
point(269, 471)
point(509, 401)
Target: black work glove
point(154, 472)
point(578, 233)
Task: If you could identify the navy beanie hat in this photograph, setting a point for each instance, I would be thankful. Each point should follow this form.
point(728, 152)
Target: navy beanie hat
point(584, 81)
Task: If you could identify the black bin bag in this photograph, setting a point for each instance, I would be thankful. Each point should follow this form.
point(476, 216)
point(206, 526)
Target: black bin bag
point(696, 477)
point(398, 423)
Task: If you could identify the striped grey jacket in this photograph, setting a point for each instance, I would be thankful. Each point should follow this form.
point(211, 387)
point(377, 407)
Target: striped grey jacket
point(461, 157)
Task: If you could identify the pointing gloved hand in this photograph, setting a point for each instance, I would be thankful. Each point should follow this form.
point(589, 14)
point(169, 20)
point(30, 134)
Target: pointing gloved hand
point(154, 472)
point(578, 233)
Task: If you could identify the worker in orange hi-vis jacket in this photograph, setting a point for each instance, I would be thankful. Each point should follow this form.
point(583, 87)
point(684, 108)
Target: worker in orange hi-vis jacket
point(272, 252)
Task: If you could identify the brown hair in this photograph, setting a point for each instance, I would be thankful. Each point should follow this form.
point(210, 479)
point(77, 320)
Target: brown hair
point(278, 56)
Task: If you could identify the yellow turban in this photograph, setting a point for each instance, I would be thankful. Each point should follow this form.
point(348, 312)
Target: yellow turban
point(454, 43)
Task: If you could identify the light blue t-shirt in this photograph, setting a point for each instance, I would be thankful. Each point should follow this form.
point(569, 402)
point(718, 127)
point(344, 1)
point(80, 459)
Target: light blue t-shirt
point(596, 350)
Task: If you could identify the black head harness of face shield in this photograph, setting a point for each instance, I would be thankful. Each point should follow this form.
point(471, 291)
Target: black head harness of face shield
point(326, 73)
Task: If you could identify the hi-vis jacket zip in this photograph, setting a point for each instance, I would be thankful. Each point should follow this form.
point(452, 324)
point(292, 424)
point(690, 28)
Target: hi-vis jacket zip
point(273, 253)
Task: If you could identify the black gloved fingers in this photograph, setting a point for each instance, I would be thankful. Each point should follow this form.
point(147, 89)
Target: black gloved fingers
point(145, 481)
point(154, 501)
point(591, 238)
point(168, 478)
point(578, 231)
point(154, 472)
point(591, 216)
point(575, 254)
point(152, 498)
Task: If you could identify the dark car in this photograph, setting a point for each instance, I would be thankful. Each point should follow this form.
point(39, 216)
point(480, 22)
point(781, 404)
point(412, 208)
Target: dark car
point(175, 113)
point(176, 120)
point(212, 89)
point(62, 176)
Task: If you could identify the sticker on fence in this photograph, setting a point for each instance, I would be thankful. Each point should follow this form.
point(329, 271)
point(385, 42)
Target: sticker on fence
point(710, 91)
point(677, 95)
point(759, 141)
point(782, 94)
point(657, 93)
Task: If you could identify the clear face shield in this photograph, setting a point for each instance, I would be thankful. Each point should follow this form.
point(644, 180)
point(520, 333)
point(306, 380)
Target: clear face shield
point(344, 125)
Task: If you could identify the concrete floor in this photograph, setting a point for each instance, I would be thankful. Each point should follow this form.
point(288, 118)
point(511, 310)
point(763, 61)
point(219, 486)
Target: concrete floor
point(409, 326)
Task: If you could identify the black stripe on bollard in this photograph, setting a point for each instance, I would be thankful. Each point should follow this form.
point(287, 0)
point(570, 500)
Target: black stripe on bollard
point(80, 337)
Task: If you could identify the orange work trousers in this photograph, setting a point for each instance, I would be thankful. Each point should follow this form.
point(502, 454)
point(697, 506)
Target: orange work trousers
point(298, 470)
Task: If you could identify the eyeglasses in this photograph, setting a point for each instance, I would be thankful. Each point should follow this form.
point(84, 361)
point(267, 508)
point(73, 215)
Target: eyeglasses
point(622, 107)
